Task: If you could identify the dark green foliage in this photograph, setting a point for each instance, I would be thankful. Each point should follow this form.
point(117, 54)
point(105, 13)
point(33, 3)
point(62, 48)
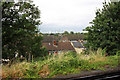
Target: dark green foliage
point(36, 47)
point(105, 31)
point(51, 33)
point(32, 72)
point(71, 32)
point(65, 33)
point(118, 53)
point(19, 27)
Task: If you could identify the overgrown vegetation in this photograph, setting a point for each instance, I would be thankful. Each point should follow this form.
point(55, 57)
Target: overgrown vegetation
point(21, 19)
point(62, 64)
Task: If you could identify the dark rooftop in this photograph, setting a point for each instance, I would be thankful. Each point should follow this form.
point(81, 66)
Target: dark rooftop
point(79, 44)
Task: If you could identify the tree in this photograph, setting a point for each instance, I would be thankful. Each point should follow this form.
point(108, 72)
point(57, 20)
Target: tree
point(78, 33)
point(71, 32)
point(36, 45)
point(19, 27)
point(56, 34)
point(66, 33)
point(51, 33)
point(105, 29)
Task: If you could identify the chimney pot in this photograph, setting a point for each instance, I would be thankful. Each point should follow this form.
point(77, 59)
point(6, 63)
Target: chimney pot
point(54, 42)
point(81, 41)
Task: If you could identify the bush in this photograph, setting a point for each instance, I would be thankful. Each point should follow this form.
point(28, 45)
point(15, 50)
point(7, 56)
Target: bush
point(118, 53)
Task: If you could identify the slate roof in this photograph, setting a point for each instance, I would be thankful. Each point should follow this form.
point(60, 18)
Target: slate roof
point(59, 46)
point(84, 42)
point(79, 44)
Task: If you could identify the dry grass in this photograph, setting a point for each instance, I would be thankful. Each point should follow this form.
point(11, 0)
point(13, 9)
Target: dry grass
point(15, 70)
point(45, 71)
point(93, 56)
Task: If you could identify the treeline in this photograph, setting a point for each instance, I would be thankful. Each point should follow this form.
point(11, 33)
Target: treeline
point(64, 33)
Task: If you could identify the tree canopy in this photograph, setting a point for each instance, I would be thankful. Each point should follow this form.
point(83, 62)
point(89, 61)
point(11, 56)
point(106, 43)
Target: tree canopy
point(71, 32)
point(65, 33)
point(105, 29)
point(19, 27)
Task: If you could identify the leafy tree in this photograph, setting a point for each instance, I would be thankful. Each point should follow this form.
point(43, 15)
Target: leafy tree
point(19, 27)
point(36, 45)
point(105, 29)
point(65, 33)
point(56, 34)
point(78, 33)
point(71, 32)
point(51, 33)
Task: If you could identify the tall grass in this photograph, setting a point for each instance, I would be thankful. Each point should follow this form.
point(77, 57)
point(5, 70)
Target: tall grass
point(15, 70)
point(61, 64)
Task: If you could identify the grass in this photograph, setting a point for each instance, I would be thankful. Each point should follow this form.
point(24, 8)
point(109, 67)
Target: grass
point(15, 70)
point(62, 64)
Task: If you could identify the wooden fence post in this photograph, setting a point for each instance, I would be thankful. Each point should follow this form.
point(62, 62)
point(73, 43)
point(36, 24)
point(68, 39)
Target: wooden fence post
point(29, 57)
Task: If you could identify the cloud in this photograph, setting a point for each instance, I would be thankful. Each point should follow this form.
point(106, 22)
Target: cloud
point(68, 12)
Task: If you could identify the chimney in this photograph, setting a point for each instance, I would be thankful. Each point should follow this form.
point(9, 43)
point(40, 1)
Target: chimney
point(54, 43)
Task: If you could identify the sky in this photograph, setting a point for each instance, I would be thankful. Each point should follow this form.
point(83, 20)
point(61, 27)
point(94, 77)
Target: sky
point(66, 15)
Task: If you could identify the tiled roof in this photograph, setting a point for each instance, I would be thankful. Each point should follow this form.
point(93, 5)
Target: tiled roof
point(74, 37)
point(50, 38)
point(71, 37)
point(64, 39)
point(59, 46)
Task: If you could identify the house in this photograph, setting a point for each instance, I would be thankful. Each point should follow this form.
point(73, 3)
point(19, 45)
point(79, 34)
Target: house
point(57, 44)
point(58, 47)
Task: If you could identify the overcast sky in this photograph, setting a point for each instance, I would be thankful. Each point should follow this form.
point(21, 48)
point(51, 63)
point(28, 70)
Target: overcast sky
point(66, 15)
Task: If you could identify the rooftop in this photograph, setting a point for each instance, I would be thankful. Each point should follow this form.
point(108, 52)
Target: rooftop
point(59, 46)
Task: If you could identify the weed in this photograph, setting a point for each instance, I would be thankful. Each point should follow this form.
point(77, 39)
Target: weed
point(64, 63)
